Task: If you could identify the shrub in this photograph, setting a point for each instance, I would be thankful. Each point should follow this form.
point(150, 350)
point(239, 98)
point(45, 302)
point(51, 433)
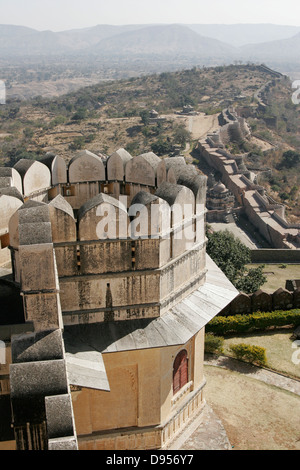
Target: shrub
point(247, 352)
point(290, 159)
point(79, 115)
point(77, 144)
point(256, 321)
point(213, 344)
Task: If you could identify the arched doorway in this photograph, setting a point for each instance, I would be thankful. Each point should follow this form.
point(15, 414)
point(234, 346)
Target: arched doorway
point(180, 371)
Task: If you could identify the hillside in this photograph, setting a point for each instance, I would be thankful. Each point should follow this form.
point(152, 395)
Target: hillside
point(103, 109)
point(164, 40)
point(203, 44)
point(279, 123)
point(17, 40)
point(242, 34)
point(80, 39)
point(45, 63)
point(282, 51)
point(102, 39)
point(108, 115)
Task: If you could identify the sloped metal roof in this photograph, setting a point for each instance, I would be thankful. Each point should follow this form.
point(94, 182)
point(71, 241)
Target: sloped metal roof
point(85, 368)
point(86, 343)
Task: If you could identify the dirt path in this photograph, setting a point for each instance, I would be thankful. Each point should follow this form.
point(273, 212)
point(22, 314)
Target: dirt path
point(264, 375)
point(248, 408)
point(201, 125)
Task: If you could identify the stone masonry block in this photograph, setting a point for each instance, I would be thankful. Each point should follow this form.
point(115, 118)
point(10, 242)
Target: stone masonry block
point(44, 310)
point(59, 414)
point(30, 383)
point(65, 443)
point(37, 268)
point(38, 346)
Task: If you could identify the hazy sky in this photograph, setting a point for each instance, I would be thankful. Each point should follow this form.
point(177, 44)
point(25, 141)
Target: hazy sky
point(59, 15)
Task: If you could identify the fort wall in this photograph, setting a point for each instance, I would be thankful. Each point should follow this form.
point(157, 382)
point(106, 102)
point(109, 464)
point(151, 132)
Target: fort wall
point(261, 210)
point(150, 414)
point(118, 259)
point(261, 301)
point(127, 281)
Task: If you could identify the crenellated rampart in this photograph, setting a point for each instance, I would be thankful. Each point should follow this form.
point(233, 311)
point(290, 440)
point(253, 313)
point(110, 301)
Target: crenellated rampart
point(126, 231)
point(264, 213)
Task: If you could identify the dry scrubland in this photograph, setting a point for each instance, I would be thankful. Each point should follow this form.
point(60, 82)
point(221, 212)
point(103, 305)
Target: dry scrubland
point(111, 110)
point(255, 415)
point(106, 116)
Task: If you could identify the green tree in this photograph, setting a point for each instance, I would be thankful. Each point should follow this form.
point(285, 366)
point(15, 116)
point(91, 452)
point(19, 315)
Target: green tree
point(290, 159)
point(77, 144)
point(228, 252)
point(232, 256)
point(181, 135)
point(79, 115)
point(161, 147)
point(145, 117)
point(16, 154)
point(251, 281)
point(28, 133)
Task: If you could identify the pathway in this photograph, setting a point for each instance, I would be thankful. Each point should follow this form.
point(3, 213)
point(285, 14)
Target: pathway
point(259, 373)
point(206, 431)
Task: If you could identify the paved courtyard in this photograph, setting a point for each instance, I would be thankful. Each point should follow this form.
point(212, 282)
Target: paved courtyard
point(237, 231)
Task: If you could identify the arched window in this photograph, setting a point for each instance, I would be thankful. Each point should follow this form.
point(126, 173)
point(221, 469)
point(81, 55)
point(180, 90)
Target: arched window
point(180, 371)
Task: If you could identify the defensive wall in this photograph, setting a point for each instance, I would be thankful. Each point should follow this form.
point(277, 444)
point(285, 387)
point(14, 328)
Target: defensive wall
point(275, 256)
point(110, 254)
point(264, 213)
point(118, 253)
point(36, 380)
point(261, 301)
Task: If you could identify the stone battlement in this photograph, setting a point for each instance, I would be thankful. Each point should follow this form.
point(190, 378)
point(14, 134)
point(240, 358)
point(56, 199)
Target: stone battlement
point(263, 212)
point(120, 253)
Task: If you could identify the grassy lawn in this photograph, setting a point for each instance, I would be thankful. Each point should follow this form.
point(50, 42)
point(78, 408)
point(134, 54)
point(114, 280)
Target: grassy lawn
point(277, 275)
point(278, 345)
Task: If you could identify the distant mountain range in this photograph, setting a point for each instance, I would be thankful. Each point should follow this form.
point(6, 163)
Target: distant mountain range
point(163, 40)
point(284, 49)
point(241, 34)
point(273, 44)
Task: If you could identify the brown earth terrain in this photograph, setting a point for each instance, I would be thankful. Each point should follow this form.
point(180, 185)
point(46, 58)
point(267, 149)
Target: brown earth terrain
point(255, 415)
